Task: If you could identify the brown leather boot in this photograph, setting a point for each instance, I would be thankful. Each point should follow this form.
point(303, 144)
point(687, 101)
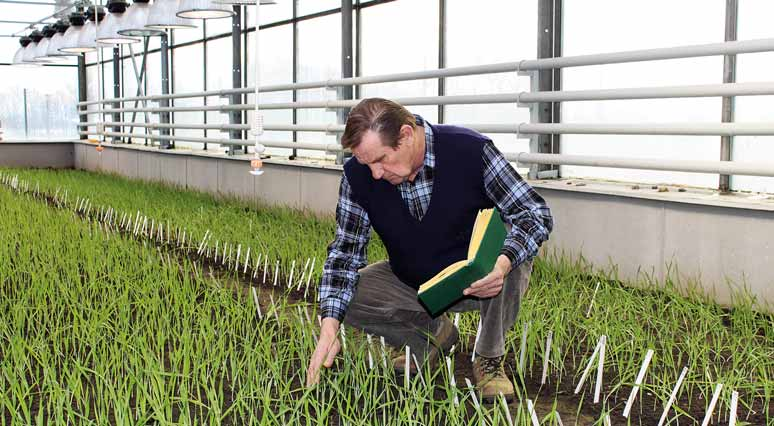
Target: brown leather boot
point(444, 338)
point(490, 379)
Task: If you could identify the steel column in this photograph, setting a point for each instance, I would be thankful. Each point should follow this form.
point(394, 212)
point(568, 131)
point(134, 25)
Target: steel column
point(236, 74)
point(117, 90)
point(204, 71)
point(358, 45)
point(441, 54)
point(729, 76)
point(545, 49)
point(345, 92)
point(556, 111)
point(82, 93)
point(164, 117)
point(295, 71)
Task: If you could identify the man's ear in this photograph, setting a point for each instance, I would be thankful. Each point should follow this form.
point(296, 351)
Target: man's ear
point(406, 132)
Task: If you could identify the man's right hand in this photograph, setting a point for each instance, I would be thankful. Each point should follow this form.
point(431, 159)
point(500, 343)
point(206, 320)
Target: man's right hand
point(327, 348)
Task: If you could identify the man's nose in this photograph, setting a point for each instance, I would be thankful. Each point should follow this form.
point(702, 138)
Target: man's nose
point(377, 172)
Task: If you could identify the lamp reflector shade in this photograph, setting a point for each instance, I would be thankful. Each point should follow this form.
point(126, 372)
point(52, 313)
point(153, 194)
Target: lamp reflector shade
point(204, 9)
point(163, 15)
point(244, 2)
point(107, 33)
point(56, 40)
point(136, 19)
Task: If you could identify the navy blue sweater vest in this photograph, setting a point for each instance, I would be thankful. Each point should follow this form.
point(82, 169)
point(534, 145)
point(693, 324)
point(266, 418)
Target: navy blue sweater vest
point(420, 249)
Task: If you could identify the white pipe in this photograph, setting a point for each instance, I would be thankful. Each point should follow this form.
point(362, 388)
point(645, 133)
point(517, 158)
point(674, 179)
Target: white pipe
point(714, 167)
point(692, 51)
point(689, 91)
point(689, 129)
point(684, 129)
point(226, 141)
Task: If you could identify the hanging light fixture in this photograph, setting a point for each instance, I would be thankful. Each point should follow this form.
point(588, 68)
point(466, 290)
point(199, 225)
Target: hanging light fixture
point(31, 50)
point(204, 9)
point(245, 2)
point(163, 16)
point(55, 43)
point(136, 19)
point(18, 57)
point(256, 164)
point(116, 20)
point(87, 41)
point(41, 50)
point(69, 43)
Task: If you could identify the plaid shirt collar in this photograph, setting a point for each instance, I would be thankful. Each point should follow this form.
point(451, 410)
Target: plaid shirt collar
point(429, 148)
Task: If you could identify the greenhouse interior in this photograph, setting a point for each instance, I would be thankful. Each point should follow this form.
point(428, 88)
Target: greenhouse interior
point(386, 212)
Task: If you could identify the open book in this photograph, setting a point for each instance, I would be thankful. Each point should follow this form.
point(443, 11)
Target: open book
point(445, 288)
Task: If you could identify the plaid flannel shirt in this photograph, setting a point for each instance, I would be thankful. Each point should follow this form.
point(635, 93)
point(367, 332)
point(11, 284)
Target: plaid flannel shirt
point(521, 206)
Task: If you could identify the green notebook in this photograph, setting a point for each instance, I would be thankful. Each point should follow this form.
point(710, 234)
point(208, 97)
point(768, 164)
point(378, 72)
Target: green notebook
point(445, 288)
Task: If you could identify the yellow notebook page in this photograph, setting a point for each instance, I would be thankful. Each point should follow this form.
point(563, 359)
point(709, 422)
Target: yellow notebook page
point(482, 222)
point(443, 274)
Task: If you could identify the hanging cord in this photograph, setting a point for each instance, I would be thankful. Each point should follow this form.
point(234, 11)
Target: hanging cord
point(100, 81)
point(256, 164)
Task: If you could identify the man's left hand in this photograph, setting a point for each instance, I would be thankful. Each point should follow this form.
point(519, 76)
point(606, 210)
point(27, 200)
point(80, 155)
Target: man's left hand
point(492, 283)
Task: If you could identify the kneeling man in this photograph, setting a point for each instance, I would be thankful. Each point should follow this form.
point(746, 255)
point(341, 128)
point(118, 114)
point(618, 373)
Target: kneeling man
point(420, 187)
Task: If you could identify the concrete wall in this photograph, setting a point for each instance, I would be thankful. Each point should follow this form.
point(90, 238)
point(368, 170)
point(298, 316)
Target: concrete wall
point(312, 188)
point(643, 240)
point(639, 235)
point(36, 154)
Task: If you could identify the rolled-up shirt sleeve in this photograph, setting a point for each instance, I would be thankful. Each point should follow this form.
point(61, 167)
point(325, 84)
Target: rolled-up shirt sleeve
point(347, 254)
point(521, 207)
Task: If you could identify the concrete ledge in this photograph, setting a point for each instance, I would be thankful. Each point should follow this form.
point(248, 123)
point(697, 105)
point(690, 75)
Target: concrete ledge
point(56, 155)
point(639, 233)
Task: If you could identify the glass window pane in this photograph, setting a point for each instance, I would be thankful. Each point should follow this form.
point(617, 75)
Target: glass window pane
point(281, 11)
point(51, 95)
point(186, 35)
point(8, 48)
point(465, 47)
point(754, 23)
point(381, 55)
point(218, 26)
point(588, 29)
point(189, 77)
point(277, 44)
point(319, 58)
point(307, 7)
point(219, 65)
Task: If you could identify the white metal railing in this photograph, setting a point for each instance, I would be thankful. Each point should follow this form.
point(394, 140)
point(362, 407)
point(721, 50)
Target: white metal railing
point(522, 99)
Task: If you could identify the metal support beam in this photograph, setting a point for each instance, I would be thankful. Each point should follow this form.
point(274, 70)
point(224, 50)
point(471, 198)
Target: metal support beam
point(729, 76)
point(295, 72)
point(172, 76)
point(236, 74)
point(31, 3)
point(441, 54)
point(82, 92)
point(545, 49)
point(164, 117)
point(358, 45)
point(140, 76)
point(26, 119)
point(117, 90)
point(556, 140)
point(347, 64)
point(204, 71)
point(3, 21)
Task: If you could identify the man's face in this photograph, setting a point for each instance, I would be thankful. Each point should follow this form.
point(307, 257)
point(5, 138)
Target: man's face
point(391, 164)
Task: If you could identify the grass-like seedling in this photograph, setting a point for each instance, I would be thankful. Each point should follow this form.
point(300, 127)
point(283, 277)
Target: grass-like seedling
point(113, 315)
